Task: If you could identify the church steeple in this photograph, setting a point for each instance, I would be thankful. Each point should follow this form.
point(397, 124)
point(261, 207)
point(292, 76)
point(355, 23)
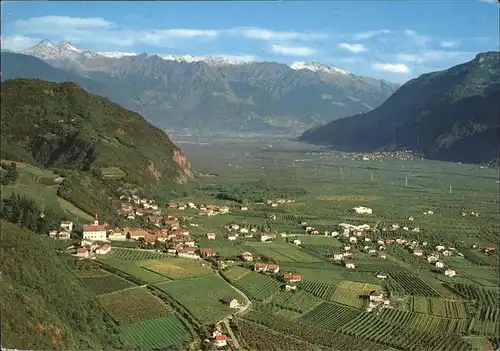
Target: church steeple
point(96, 220)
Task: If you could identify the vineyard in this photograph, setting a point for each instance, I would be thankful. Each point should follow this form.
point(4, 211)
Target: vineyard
point(258, 286)
point(133, 305)
point(235, 273)
point(322, 290)
point(312, 334)
point(177, 268)
point(106, 284)
point(352, 293)
point(258, 337)
point(486, 322)
point(134, 255)
point(298, 301)
point(133, 268)
point(413, 285)
point(440, 307)
point(483, 296)
point(283, 253)
point(202, 296)
point(330, 315)
point(160, 333)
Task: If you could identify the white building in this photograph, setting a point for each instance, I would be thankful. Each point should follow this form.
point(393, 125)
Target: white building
point(94, 232)
point(103, 250)
point(67, 225)
point(450, 272)
point(362, 210)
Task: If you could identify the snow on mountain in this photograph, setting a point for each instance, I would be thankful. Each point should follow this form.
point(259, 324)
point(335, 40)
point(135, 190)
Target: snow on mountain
point(317, 67)
point(47, 50)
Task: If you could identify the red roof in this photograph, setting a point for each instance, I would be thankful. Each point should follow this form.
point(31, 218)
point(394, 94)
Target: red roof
point(93, 228)
point(82, 250)
point(207, 250)
point(261, 265)
point(221, 337)
point(273, 267)
point(105, 247)
point(246, 254)
point(292, 276)
point(211, 233)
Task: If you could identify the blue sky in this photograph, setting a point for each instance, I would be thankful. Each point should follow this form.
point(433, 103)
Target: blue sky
point(394, 40)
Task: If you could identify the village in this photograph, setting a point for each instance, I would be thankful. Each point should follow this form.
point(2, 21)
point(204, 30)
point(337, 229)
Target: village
point(175, 239)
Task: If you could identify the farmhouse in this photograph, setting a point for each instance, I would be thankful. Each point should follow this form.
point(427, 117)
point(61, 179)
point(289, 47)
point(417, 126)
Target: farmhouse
point(439, 264)
point(211, 236)
point(82, 252)
point(135, 233)
point(232, 303)
point(94, 231)
point(247, 256)
point(267, 236)
point(207, 252)
point(187, 253)
point(376, 295)
point(224, 209)
point(361, 210)
point(297, 242)
point(432, 259)
point(67, 225)
point(289, 287)
point(231, 237)
point(292, 278)
point(349, 264)
point(381, 275)
point(244, 208)
point(260, 267)
point(64, 235)
point(418, 252)
point(450, 272)
point(220, 340)
point(338, 256)
point(440, 247)
point(103, 250)
point(274, 268)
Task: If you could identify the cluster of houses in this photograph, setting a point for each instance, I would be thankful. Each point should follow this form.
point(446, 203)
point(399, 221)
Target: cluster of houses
point(134, 206)
point(377, 299)
point(361, 210)
point(204, 210)
point(64, 231)
point(277, 202)
point(235, 230)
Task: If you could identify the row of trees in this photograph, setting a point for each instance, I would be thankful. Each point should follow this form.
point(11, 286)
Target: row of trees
point(25, 213)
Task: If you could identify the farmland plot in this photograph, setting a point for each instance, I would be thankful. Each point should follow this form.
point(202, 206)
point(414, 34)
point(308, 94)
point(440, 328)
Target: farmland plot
point(134, 269)
point(329, 315)
point(236, 273)
point(351, 293)
point(202, 296)
point(133, 305)
point(106, 283)
point(486, 321)
point(134, 255)
point(440, 307)
point(160, 333)
point(177, 268)
point(258, 286)
point(413, 285)
point(283, 253)
point(483, 295)
point(324, 291)
point(298, 301)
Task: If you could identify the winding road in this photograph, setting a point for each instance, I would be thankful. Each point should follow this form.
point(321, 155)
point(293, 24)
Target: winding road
point(242, 310)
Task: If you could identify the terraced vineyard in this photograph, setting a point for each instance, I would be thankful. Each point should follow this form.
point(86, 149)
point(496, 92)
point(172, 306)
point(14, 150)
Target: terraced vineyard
point(106, 284)
point(413, 285)
point(134, 255)
point(486, 296)
point(324, 291)
point(351, 293)
point(486, 322)
point(330, 315)
point(440, 307)
point(160, 333)
point(298, 301)
point(258, 286)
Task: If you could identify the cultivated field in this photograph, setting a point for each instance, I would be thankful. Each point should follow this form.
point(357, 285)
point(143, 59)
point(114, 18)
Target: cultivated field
point(353, 294)
point(202, 296)
point(160, 333)
point(133, 305)
point(258, 286)
point(134, 255)
point(106, 284)
point(177, 268)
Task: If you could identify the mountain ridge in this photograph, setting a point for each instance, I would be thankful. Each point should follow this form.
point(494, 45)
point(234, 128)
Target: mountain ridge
point(450, 115)
point(209, 94)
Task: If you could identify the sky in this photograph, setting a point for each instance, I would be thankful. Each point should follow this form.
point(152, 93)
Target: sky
point(393, 40)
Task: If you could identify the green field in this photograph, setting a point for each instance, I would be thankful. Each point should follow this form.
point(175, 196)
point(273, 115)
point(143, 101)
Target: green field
point(134, 255)
point(257, 286)
point(160, 333)
point(349, 293)
point(106, 284)
point(134, 269)
point(202, 296)
point(133, 305)
point(177, 268)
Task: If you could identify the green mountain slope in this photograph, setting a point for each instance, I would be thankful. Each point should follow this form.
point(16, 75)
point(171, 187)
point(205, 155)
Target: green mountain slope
point(448, 115)
point(44, 306)
point(100, 146)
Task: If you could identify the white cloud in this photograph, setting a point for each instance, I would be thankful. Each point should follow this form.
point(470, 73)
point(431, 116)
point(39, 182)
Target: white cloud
point(18, 42)
point(417, 39)
point(355, 48)
point(448, 44)
point(391, 67)
point(292, 50)
point(370, 34)
point(265, 34)
point(51, 22)
point(489, 1)
point(434, 55)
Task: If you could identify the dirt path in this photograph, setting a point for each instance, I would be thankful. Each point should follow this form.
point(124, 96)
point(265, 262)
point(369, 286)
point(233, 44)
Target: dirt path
point(235, 341)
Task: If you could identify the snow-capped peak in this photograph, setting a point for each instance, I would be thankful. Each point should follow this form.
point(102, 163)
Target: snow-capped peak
point(317, 67)
point(210, 60)
point(48, 50)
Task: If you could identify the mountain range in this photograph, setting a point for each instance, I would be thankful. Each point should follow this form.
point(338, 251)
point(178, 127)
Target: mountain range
point(214, 94)
point(451, 115)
